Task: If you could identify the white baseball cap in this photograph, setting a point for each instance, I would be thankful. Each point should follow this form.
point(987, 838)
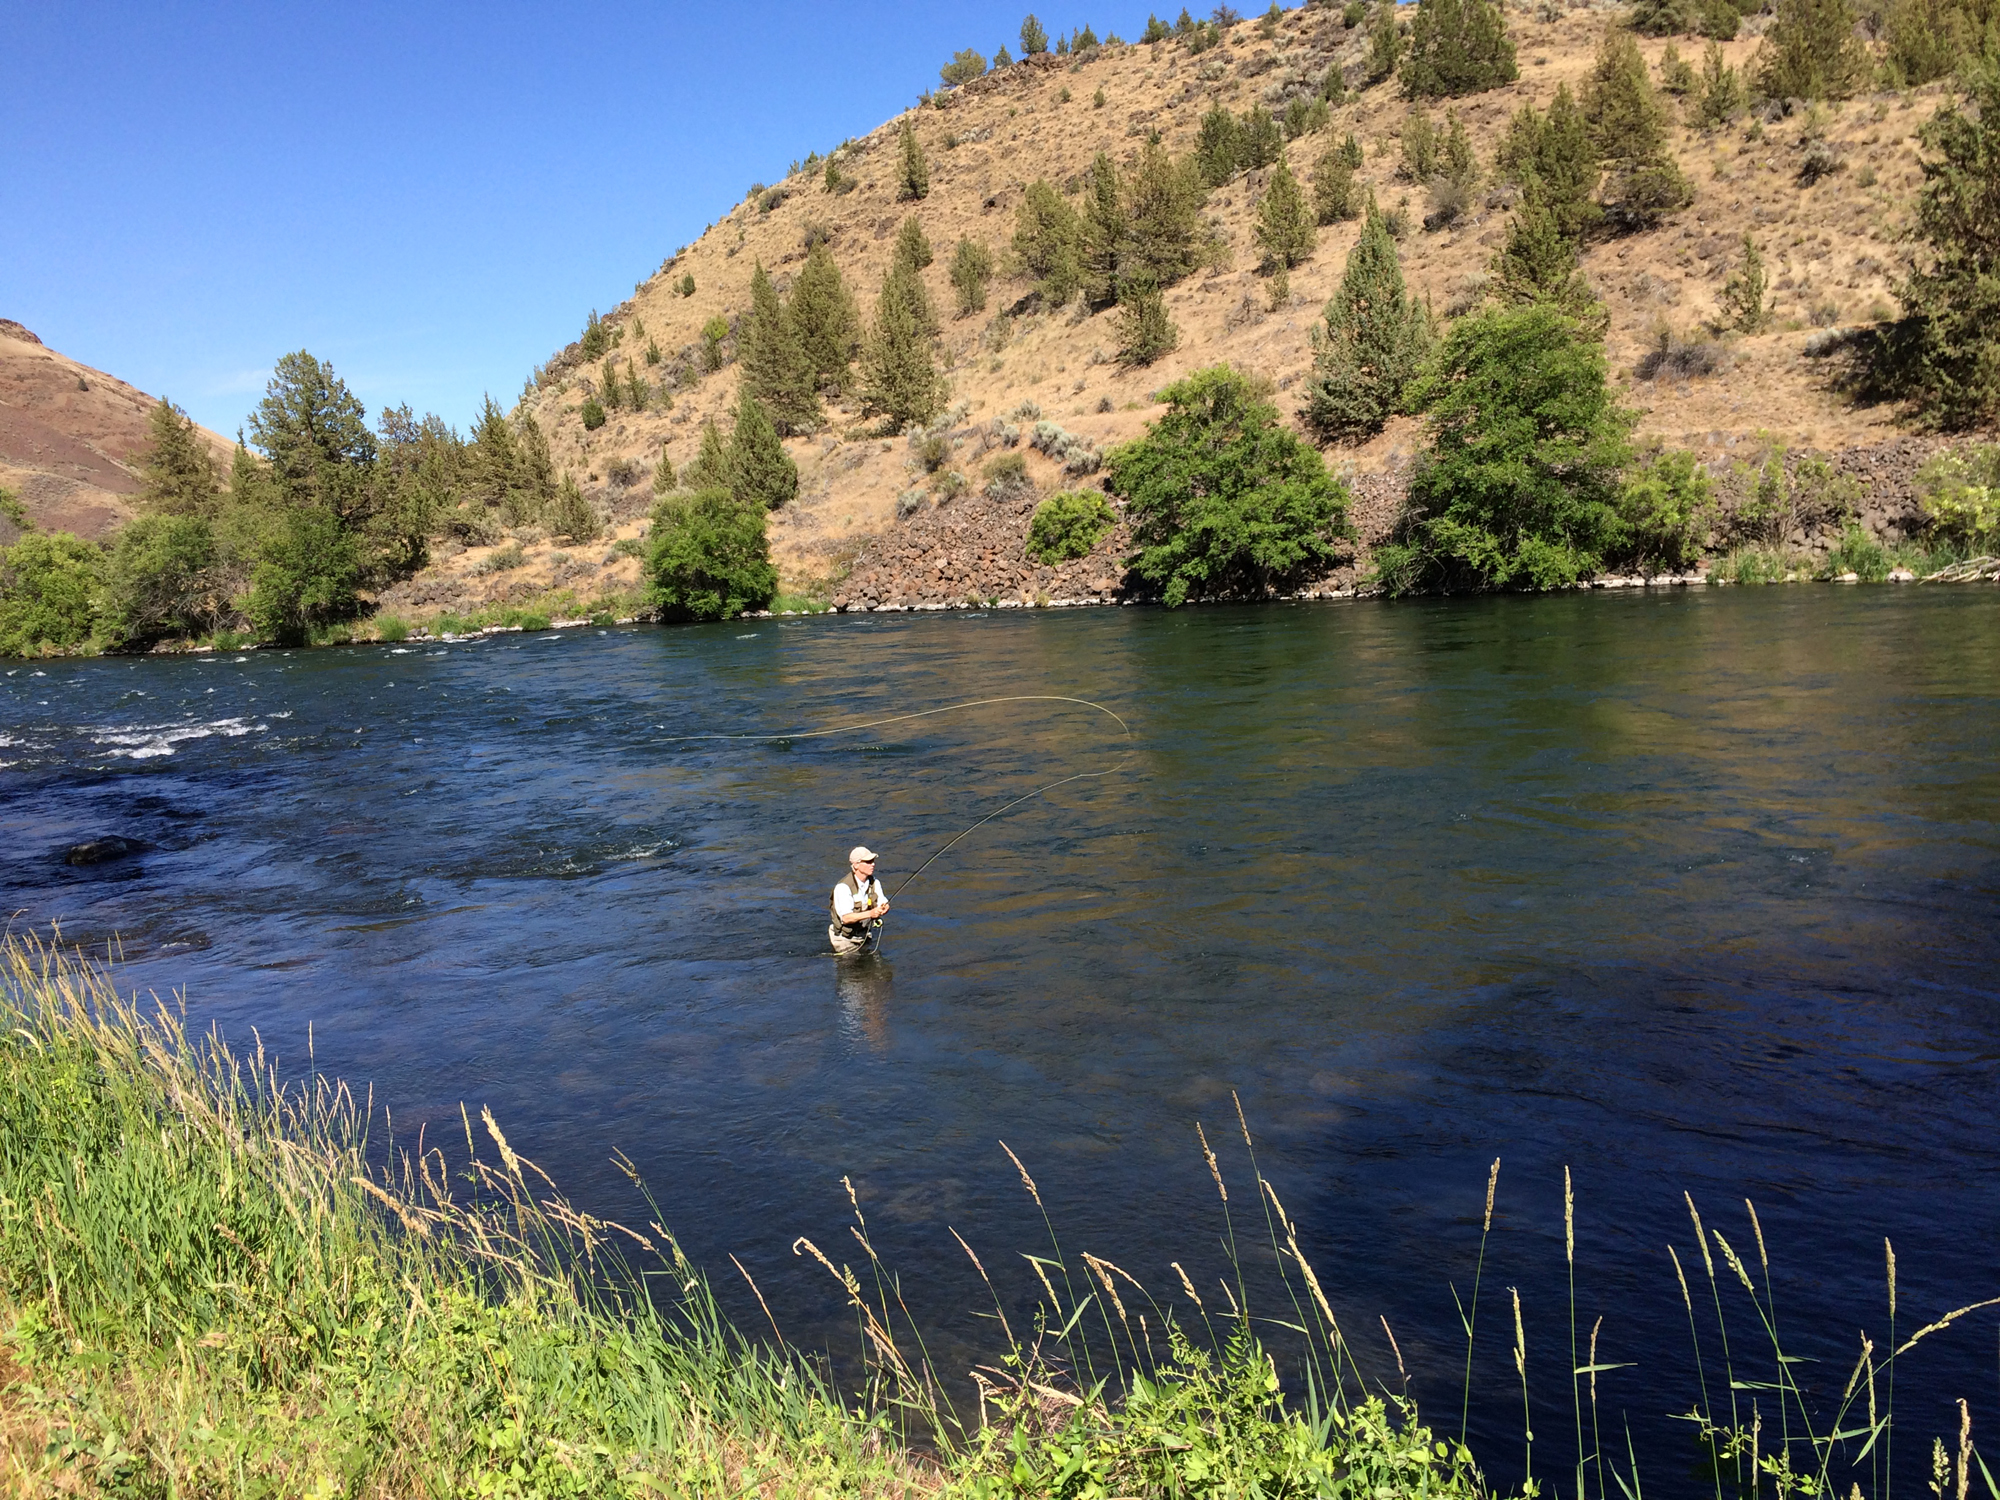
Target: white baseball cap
point(861, 854)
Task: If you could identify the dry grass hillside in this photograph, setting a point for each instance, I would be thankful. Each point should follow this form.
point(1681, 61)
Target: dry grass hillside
point(1830, 245)
point(70, 438)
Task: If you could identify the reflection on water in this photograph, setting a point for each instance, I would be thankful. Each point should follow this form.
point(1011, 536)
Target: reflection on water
point(1689, 892)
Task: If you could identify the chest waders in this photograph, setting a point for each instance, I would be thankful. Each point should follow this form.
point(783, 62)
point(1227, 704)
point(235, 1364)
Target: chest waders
point(853, 937)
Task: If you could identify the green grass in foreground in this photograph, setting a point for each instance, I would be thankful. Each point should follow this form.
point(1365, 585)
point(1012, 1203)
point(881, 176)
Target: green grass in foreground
point(206, 1291)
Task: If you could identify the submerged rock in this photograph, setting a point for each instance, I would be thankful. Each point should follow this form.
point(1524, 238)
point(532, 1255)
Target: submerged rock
point(102, 851)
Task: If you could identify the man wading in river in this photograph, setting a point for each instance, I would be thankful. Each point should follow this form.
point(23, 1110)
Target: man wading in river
point(859, 904)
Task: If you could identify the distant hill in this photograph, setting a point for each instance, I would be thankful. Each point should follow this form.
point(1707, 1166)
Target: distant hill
point(71, 437)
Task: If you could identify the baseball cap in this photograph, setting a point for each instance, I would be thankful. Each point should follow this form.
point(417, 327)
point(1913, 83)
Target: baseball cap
point(860, 854)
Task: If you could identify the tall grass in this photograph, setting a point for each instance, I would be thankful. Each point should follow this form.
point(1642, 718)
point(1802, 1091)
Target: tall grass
point(211, 1285)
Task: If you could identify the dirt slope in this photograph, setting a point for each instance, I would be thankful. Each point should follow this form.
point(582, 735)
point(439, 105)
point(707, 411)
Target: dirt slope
point(70, 437)
point(1830, 247)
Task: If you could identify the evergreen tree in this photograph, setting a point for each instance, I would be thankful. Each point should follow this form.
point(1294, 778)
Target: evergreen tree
point(664, 482)
point(1104, 229)
point(825, 320)
point(252, 489)
point(1048, 242)
point(1924, 40)
point(1218, 148)
point(1145, 331)
point(1350, 152)
point(964, 66)
point(711, 461)
point(1163, 207)
point(1374, 339)
point(1258, 140)
point(1719, 96)
point(1386, 43)
point(1333, 88)
point(536, 469)
point(912, 250)
point(166, 576)
point(1743, 294)
point(1156, 30)
point(571, 517)
point(1422, 147)
point(493, 463)
point(1001, 58)
point(1521, 483)
point(1457, 47)
point(1642, 180)
point(1951, 298)
point(178, 472)
point(1538, 263)
point(315, 434)
point(1335, 196)
point(1033, 38)
point(610, 390)
point(1285, 230)
point(761, 472)
point(596, 339)
point(1457, 162)
point(638, 390)
point(1557, 151)
point(971, 269)
point(773, 360)
point(913, 175)
point(1811, 52)
point(904, 383)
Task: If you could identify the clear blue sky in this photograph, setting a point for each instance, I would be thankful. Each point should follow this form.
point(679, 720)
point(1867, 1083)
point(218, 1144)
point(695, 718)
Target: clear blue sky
point(431, 197)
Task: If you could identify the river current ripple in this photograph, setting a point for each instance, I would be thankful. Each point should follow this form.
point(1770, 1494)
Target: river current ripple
point(1689, 893)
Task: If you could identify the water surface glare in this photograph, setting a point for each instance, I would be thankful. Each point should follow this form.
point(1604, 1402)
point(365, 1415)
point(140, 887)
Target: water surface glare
point(1689, 891)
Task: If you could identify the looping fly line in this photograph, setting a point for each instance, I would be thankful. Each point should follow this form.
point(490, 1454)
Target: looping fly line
point(815, 734)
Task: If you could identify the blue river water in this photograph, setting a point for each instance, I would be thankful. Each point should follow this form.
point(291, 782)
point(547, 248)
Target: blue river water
point(1691, 893)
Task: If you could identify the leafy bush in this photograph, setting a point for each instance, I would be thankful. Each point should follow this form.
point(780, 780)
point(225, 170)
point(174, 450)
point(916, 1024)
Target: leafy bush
point(1224, 499)
point(47, 582)
point(1960, 493)
point(502, 559)
point(1066, 526)
point(1858, 553)
point(1665, 508)
point(166, 576)
point(707, 557)
point(1077, 455)
point(307, 576)
point(1519, 487)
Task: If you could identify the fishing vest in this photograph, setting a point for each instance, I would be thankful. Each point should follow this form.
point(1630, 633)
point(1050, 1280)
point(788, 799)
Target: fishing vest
point(864, 896)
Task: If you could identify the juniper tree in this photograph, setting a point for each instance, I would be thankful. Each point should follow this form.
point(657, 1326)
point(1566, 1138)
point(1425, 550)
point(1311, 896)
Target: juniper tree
point(1386, 43)
point(1422, 145)
point(664, 482)
point(913, 173)
point(713, 332)
point(610, 389)
point(1145, 331)
point(1033, 38)
point(315, 433)
point(971, 269)
point(826, 320)
point(761, 472)
point(1373, 339)
point(178, 476)
point(1457, 47)
point(1048, 242)
point(773, 359)
point(1537, 262)
point(1457, 162)
point(1258, 140)
point(1719, 96)
point(1333, 88)
point(1335, 196)
point(913, 247)
point(596, 339)
point(1951, 297)
point(1285, 230)
point(1743, 294)
point(1627, 123)
point(964, 66)
point(1556, 150)
point(711, 460)
point(1156, 30)
point(1810, 52)
point(903, 381)
point(1164, 200)
point(572, 517)
point(1303, 116)
point(1218, 147)
point(1925, 40)
point(638, 390)
point(1105, 226)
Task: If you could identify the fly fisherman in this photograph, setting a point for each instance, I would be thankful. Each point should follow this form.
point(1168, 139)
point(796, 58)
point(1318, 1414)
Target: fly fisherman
point(859, 904)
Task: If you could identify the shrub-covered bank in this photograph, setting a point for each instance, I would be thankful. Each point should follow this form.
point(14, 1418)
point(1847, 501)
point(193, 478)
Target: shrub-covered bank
point(211, 1285)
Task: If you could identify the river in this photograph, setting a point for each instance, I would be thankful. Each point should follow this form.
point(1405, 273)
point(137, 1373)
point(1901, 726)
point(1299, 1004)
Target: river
point(1690, 892)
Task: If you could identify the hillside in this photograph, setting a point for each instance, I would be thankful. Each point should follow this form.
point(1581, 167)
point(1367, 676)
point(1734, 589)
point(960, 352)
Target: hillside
point(70, 437)
point(1830, 244)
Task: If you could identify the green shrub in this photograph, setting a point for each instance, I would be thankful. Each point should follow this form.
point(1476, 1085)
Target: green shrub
point(1811, 52)
point(391, 629)
point(707, 557)
point(166, 577)
point(1224, 499)
point(1760, 562)
point(1067, 526)
point(502, 559)
point(1007, 477)
point(1457, 47)
point(1335, 196)
point(1858, 553)
point(1960, 494)
point(307, 575)
point(713, 332)
point(963, 67)
point(686, 287)
point(47, 584)
point(1048, 242)
point(1665, 508)
point(1520, 485)
point(593, 414)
